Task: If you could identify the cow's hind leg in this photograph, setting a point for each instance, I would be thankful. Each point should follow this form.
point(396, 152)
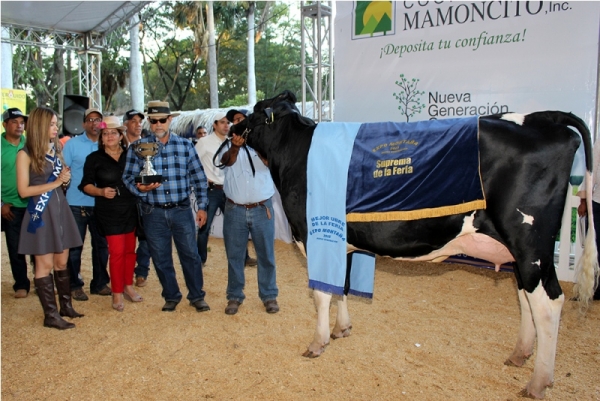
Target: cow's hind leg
point(342, 322)
point(321, 340)
point(546, 316)
point(526, 340)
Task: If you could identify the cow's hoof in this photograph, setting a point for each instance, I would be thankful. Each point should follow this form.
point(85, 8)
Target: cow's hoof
point(517, 361)
point(526, 394)
point(508, 362)
point(341, 334)
point(309, 354)
point(314, 351)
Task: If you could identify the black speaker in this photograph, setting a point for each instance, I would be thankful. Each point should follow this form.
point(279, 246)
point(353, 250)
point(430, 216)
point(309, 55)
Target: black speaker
point(74, 107)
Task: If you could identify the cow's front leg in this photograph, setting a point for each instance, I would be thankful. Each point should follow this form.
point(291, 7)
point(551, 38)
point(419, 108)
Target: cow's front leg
point(321, 340)
point(524, 347)
point(342, 322)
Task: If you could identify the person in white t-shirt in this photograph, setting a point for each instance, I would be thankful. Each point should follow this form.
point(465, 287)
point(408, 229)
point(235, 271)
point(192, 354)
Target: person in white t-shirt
point(206, 147)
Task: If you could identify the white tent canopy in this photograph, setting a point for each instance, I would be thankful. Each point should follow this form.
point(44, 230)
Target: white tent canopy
point(82, 26)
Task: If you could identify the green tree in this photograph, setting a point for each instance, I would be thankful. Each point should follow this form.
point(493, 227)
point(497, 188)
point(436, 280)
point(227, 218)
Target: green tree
point(170, 64)
point(278, 61)
point(115, 71)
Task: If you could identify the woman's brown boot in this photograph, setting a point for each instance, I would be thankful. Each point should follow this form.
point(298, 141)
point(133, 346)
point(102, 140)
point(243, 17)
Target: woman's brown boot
point(45, 290)
point(63, 286)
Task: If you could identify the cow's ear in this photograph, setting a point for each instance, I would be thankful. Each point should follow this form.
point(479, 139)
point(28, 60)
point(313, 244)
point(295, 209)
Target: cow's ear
point(291, 96)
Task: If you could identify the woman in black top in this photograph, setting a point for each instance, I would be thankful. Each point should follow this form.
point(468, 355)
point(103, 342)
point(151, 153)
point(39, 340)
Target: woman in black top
point(115, 207)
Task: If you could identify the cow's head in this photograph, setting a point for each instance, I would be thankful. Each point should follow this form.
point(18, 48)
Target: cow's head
point(262, 128)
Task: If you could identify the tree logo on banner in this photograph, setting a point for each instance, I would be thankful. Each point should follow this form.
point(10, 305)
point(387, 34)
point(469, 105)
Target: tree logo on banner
point(373, 18)
point(409, 97)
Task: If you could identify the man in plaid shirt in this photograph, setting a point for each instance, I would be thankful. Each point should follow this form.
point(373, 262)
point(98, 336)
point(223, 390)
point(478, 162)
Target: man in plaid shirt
point(165, 207)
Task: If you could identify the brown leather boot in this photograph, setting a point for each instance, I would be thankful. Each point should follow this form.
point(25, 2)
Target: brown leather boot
point(45, 290)
point(62, 280)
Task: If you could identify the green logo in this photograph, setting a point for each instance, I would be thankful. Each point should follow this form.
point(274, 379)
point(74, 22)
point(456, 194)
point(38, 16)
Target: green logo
point(373, 18)
point(409, 97)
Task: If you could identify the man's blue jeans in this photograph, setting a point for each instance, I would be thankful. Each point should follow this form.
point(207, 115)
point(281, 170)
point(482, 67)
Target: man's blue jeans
point(85, 218)
point(142, 259)
point(216, 201)
point(238, 222)
point(178, 224)
point(18, 263)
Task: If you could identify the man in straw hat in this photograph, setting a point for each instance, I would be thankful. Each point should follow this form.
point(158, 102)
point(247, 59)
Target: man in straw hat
point(166, 211)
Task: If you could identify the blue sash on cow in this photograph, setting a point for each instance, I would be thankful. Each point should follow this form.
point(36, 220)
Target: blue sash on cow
point(408, 171)
point(328, 161)
point(383, 172)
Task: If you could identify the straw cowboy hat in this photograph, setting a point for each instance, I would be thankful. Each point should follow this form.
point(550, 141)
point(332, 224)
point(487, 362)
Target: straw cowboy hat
point(112, 122)
point(159, 109)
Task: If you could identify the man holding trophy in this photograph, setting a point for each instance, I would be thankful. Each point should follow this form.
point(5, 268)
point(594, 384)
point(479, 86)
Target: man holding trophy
point(161, 170)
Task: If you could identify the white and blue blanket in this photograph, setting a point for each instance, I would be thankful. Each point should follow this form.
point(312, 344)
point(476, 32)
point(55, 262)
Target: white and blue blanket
point(383, 172)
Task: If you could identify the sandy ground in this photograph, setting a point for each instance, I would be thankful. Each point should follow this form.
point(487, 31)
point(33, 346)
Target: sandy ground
point(432, 332)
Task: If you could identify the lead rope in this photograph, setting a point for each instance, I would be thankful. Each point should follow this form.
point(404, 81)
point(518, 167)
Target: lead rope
point(222, 166)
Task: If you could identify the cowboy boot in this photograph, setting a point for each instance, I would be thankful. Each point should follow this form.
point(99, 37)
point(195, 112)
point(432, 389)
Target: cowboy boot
point(45, 290)
point(62, 280)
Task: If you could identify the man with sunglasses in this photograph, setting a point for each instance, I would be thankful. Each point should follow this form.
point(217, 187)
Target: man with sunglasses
point(166, 211)
point(75, 152)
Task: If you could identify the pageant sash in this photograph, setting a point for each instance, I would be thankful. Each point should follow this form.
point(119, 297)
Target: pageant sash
point(37, 210)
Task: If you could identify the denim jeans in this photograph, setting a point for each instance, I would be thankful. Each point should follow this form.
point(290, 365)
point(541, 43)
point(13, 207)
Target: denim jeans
point(238, 222)
point(18, 263)
point(84, 217)
point(216, 201)
point(178, 224)
point(142, 259)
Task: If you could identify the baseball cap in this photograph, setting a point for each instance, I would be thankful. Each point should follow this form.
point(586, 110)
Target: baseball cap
point(129, 115)
point(231, 113)
point(92, 110)
point(219, 116)
point(13, 112)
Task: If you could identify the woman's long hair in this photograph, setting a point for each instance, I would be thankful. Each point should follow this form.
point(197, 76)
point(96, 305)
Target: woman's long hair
point(38, 138)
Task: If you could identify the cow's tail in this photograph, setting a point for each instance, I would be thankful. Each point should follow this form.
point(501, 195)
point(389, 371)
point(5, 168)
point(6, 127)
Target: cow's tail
point(587, 269)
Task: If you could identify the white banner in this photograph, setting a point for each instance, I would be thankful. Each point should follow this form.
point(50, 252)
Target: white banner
point(411, 61)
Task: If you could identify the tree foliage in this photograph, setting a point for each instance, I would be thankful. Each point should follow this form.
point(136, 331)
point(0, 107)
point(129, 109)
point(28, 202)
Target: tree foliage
point(173, 45)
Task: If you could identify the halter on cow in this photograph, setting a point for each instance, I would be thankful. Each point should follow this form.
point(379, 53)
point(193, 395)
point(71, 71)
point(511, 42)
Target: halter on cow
point(525, 162)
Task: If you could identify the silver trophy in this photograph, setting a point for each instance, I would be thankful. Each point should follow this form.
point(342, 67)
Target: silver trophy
point(148, 175)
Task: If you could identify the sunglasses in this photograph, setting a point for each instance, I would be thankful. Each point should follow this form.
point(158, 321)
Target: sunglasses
point(94, 120)
point(159, 120)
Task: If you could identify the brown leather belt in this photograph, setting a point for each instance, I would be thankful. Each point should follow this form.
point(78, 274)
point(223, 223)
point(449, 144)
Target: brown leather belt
point(214, 186)
point(249, 205)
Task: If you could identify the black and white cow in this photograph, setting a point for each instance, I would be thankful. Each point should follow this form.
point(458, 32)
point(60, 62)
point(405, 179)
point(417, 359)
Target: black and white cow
point(525, 163)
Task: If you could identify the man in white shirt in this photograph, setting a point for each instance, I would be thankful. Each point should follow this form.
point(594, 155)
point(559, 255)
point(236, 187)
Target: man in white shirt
point(248, 210)
point(206, 147)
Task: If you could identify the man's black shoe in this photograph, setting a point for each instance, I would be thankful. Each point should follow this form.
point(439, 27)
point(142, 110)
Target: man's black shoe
point(200, 305)
point(105, 291)
point(169, 306)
